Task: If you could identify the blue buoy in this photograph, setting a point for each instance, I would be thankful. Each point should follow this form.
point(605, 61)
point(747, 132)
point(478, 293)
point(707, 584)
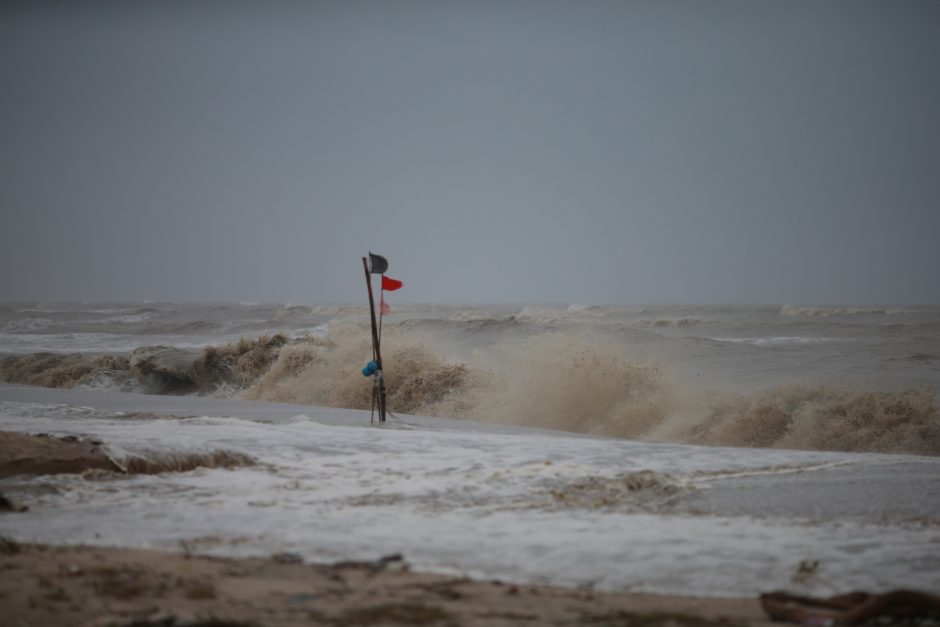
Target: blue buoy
point(370, 369)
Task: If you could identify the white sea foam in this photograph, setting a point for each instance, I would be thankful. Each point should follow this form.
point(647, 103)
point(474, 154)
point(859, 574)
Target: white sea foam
point(777, 340)
point(456, 497)
point(128, 318)
point(319, 331)
point(113, 310)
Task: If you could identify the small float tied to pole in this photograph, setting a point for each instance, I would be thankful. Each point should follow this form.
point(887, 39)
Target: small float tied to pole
point(377, 264)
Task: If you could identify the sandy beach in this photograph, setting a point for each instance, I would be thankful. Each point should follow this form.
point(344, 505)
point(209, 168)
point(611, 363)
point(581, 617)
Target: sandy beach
point(84, 586)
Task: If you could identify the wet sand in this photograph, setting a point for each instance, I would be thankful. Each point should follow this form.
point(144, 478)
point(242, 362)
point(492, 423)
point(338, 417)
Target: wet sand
point(22, 454)
point(85, 586)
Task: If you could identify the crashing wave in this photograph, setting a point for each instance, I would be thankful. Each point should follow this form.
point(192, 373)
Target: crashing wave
point(554, 380)
point(824, 418)
point(56, 370)
point(548, 381)
point(169, 370)
point(156, 462)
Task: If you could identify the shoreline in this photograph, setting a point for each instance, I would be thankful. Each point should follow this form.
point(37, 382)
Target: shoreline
point(85, 586)
point(97, 586)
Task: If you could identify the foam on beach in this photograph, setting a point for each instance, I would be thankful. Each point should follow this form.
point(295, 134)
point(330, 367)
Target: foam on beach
point(475, 500)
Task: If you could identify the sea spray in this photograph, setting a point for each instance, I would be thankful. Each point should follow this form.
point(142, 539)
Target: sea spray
point(561, 382)
point(327, 371)
point(551, 380)
point(576, 383)
point(563, 369)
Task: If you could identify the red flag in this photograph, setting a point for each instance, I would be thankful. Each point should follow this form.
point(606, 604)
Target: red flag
point(390, 284)
point(383, 306)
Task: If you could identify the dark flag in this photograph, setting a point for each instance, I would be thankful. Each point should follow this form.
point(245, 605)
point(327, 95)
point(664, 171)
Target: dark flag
point(377, 264)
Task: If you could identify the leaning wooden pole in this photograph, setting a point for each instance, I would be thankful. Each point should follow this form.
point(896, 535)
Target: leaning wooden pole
point(376, 348)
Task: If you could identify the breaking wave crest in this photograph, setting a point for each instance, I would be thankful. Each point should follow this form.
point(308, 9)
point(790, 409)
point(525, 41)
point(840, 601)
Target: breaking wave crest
point(547, 381)
point(55, 370)
point(158, 462)
point(158, 369)
point(554, 380)
point(825, 418)
point(167, 370)
point(572, 383)
point(326, 371)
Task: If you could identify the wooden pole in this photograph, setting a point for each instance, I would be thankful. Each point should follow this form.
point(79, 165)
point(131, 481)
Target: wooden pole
point(376, 348)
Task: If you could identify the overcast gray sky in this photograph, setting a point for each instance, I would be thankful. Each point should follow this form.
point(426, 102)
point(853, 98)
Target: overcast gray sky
point(493, 151)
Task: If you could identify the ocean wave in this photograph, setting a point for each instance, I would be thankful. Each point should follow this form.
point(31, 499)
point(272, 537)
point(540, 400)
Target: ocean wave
point(469, 325)
point(56, 370)
point(568, 312)
point(539, 314)
point(290, 310)
point(130, 318)
point(587, 310)
point(559, 382)
point(120, 311)
point(470, 316)
point(158, 462)
point(669, 322)
point(39, 309)
point(337, 310)
point(90, 343)
point(562, 382)
point(824, 418)
point(155, 369)
point(569, 381)
point(193, 326)
point(548, 381)
point(171, 370)
point(319, 331)
point(777, 340)
point(808, 311)
point(29, 325)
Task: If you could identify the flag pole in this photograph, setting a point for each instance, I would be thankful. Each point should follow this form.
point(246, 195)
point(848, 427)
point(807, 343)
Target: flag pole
point(376, 348)
point(381, 312)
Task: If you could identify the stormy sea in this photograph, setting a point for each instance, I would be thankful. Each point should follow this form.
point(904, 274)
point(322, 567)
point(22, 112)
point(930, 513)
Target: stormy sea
point(706, 450)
